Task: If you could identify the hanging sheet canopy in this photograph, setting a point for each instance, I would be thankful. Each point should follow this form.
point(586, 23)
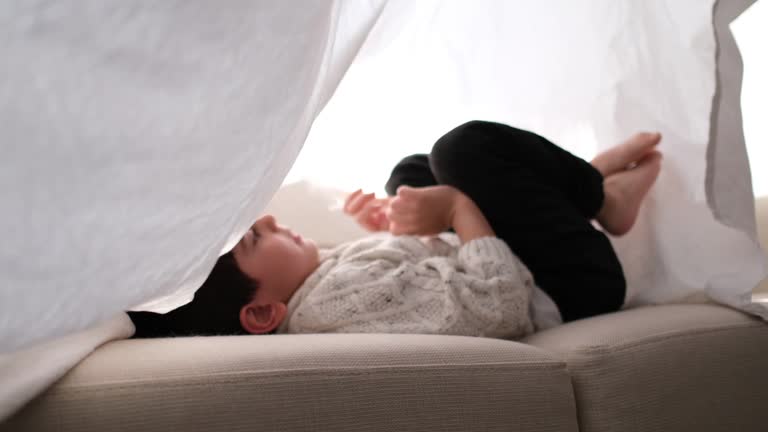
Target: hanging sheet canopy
point(141, 139)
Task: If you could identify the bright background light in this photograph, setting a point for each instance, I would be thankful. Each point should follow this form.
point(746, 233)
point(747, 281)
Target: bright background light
point(751, 33)
point(338, 157)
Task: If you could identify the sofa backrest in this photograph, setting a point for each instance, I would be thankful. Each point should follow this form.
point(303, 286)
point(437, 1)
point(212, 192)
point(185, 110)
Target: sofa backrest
point(761, 207)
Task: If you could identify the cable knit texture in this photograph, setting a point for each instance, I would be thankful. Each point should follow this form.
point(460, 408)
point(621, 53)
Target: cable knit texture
point(405, 284)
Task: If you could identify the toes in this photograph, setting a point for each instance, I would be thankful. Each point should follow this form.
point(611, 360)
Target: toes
point(639, 148)
point(650, 158)
point(641, 143)
point(647, 138)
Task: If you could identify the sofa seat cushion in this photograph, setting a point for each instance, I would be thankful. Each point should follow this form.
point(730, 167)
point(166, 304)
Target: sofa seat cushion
point(666, 368)
point(343, 382)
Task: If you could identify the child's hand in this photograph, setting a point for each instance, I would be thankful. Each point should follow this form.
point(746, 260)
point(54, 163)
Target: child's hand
point(423, 211)
point(370, 212)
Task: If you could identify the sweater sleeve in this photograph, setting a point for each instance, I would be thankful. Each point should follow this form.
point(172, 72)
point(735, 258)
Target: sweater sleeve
point(487, 257)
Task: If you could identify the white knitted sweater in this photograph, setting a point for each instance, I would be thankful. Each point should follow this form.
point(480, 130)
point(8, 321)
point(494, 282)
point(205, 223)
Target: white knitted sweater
point(405, 284)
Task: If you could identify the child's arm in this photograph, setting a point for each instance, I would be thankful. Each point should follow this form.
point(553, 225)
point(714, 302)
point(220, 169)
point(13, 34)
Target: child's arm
point(469, 222)
point(432, 210)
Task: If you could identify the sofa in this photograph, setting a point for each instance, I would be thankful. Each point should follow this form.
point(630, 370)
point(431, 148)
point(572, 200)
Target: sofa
point(676, 367)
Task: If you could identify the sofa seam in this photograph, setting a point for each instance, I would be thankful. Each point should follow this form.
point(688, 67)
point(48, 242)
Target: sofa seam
point(321, 374)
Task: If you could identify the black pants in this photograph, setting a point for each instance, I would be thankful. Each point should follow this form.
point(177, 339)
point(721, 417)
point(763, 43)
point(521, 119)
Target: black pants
point(539, 199)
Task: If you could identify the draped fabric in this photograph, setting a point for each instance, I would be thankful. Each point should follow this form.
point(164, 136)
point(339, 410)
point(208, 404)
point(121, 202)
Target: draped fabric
point(140, 139)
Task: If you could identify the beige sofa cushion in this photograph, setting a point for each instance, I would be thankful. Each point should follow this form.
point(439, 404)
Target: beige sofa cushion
point(666, 368)
point(309, 382)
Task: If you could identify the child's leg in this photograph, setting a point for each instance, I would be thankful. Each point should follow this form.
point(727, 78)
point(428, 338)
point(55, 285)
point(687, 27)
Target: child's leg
point(539, 199)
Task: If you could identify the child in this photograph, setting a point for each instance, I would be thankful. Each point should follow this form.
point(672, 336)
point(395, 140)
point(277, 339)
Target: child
point(500, 189)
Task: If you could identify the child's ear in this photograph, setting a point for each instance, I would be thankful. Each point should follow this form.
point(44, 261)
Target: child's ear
point(262, 318)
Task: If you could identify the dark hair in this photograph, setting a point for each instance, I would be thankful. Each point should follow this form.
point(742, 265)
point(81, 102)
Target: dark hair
point(215, 309)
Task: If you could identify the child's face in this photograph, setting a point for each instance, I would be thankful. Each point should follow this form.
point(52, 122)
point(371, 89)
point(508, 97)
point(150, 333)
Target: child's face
point(277, 258)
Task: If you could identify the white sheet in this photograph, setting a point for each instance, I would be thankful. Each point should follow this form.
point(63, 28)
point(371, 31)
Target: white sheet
point(142, 138)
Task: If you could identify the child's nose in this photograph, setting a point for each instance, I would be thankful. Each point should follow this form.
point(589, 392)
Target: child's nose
point(269, 222)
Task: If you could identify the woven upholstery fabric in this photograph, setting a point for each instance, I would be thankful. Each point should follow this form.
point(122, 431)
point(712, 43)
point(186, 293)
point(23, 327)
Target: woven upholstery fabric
point(666, 368)
point(342, 382)
point(761, 208)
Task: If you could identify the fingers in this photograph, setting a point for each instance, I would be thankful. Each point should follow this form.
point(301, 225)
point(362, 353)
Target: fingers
point(651, 157)
point(356, 201)
point(654, 137)
point(413, 211)
point(378, 221)
point(367, 210)
point(407, 205)
point(406, 198)
point(403, 216)
point(406, 191)
point(372, 216)
point(404, 227)
point(351, 197)
point(396, 229)
point(400, 209)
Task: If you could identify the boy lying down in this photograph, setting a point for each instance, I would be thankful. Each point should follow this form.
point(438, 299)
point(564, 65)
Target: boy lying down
point(524, 253)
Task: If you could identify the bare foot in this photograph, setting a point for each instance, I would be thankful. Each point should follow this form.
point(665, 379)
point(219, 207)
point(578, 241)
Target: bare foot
point(625, 191)
point(624, 155)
